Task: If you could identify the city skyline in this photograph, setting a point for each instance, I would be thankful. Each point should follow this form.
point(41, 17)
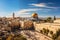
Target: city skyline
point(25, 8)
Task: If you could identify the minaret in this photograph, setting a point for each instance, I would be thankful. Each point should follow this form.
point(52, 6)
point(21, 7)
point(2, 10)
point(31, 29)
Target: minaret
point(13, 15)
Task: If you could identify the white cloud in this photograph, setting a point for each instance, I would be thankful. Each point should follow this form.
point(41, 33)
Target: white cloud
point(44, 5)
point(39, 5)
point(23, 15)
point(23, 11)
point(26, 12)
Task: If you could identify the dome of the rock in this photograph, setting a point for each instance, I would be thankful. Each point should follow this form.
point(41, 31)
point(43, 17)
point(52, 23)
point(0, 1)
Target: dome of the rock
point(34, 15)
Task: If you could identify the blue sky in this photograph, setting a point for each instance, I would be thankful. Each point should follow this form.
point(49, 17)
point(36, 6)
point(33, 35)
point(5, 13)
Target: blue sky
point(25, 8)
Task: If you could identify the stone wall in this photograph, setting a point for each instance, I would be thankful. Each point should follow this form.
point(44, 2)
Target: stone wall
point(51, 26)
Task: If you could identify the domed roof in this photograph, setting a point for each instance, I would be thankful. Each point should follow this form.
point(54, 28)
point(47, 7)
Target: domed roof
point(34, 15)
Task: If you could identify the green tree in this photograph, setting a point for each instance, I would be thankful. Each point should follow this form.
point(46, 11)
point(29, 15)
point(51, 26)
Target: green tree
point(51, 32)
point(47, 31)
point(41, 31)
point(56, 35)
point(44, 31)
point(49, 19)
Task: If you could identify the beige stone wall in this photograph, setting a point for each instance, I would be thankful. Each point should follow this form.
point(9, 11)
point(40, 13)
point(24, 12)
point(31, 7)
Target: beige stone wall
point(57, 21)
point(51, 26)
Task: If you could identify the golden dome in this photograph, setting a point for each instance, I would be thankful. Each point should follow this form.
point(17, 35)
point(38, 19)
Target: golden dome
point(34, 15)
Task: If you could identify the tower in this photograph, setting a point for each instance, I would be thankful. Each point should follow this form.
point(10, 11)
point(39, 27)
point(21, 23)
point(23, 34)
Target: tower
point(54, 17)
point(13, 14)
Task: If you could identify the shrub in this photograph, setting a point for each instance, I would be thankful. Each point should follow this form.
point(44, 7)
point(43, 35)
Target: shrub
point(41, 31)
point(58, 32)
point(54, 36)
point(45, 31)
point(19, 37)
point(51, 32)
point(49, 19)
point(58, 38)
point(16, 37)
